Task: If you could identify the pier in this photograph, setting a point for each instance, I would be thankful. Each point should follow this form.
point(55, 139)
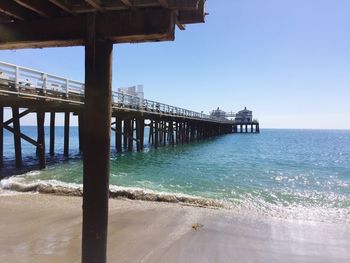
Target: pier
point(47, 95)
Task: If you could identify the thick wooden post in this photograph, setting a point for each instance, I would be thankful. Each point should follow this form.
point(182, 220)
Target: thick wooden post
point(97, 116)
point(150, 135)
point(125, 133)
point(138, 134)
point(187, 132)
point(142, 132)
point(52, 133)
point(41, 138)
point(164, 133)
point(118, 134)
point(16, 136)
point(131, 134)
point(1, 137)
point(156, 132)
point(81, 132)
point(171, 130)
point(66, 133)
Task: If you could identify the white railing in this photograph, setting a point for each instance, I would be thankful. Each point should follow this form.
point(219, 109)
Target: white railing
point(22, 80)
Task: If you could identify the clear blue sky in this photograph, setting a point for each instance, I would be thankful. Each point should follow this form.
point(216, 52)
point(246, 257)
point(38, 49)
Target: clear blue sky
point(287, 60)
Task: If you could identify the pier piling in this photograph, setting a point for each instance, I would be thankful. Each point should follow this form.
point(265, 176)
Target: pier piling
point(66, 133)
point(16, 136)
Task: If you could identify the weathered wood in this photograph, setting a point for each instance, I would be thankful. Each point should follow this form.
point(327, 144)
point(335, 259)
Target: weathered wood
point(52, 132)
point(142, 132)
point(63, 5)
point(1, 136)
point(118, 134)
point(130, 134)
point(97, 116)
point(138, 134)
point(66, 133)
point(150, 135)
point(81, 131)
point(16, 136)
point(41, 139)
point(190, 16)
point(13, 10)
point(117, 26)
point(164, 133)
point(156, 133)
point(22, 114)
point(42, 8)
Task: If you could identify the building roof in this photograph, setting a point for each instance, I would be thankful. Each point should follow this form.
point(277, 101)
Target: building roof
point(245, 111)
point(30, 24)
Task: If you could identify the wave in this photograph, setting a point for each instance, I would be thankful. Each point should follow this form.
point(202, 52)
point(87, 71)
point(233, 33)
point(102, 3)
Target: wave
point(71, 189)
point(247, 205)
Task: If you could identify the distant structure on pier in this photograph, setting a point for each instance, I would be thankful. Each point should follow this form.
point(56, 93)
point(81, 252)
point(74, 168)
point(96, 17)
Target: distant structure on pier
point(244, 116)
point(242, 120)
point(136, 91)
point(218, 113)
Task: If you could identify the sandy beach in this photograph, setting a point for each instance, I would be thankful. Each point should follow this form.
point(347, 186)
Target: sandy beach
point(47, 228)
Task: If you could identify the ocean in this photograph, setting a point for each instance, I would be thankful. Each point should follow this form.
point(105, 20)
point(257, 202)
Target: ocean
point(291, 174)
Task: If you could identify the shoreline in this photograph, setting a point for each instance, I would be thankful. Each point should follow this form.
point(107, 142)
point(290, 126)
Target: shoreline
point(249, 207)
point(47, 228)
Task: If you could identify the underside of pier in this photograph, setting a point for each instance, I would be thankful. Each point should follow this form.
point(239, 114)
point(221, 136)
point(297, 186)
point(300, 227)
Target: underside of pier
point(97, 25)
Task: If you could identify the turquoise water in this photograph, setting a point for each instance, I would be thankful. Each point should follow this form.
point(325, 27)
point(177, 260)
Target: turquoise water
point(302, 174)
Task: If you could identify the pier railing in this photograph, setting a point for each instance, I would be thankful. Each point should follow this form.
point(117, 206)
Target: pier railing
point(25, 81)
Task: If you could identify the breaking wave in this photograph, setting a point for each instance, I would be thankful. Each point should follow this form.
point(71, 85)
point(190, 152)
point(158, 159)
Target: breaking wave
point(249, 204)
point(19, 184)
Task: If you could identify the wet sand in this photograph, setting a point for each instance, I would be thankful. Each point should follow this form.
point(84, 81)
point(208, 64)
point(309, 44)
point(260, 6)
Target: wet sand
point(47, 228)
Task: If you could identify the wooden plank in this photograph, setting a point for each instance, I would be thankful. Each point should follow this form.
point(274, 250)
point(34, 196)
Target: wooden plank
point(116, 26)
point(42, 8)
point(95, 4)
point(14, 10)
point(64, 5)
point(127, 3)
point(97, 116)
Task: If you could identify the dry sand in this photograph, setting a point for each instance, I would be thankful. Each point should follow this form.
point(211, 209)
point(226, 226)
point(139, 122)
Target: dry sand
point(46, 228)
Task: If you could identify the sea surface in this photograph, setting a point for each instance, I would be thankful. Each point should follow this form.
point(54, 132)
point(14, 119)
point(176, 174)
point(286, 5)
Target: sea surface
point(293, 174)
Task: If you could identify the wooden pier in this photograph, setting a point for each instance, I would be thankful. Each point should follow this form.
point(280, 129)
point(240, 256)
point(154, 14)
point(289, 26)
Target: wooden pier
point(28, 91)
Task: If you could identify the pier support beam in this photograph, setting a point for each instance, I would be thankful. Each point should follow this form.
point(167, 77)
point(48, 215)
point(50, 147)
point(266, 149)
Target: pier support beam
point(66, 134)
point(16, 136)
point(52, 133)
point(156, 133)
point(125, 133)
point(97, 115)
point(118, 134)
point(130, 134)
point(41, 138)
point(81, 132)
point(1, 137)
